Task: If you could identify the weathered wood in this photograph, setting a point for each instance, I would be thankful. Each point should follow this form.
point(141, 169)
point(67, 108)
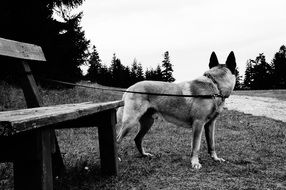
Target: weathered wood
point(33, 99)
point(57, 160)
point(21, 50)
point(13, 122)
point(27, 136)
point(34, 170)
point(107, 143)
point(29, 86)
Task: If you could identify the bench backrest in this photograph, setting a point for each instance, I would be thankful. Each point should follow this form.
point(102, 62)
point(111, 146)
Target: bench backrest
point(25, 52)
point(21, 50)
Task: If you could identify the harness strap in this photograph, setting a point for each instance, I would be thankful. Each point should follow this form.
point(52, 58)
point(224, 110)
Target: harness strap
point(217, 86)
point(216, 95)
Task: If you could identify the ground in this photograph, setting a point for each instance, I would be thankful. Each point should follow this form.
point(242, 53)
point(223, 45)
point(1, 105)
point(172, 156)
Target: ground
point(254, 148)
point(258, 106)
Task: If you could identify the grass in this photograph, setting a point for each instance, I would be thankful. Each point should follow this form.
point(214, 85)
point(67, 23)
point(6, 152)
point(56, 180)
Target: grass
point(13, 98)
point(254, 147)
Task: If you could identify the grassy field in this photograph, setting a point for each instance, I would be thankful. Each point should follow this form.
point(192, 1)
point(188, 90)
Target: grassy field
point(254, 149)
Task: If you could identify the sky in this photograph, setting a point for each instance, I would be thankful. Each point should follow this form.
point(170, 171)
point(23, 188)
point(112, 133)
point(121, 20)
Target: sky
point(189, 29)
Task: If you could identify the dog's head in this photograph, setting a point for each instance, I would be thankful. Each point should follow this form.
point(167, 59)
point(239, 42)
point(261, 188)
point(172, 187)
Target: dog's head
point(230, 62)
point(224, 74)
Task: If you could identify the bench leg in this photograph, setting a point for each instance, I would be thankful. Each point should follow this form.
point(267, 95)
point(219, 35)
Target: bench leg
point(36, 171)
point(57, 159)
point(107, 143)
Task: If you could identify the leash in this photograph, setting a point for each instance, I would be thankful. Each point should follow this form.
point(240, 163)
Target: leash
point(135, 92)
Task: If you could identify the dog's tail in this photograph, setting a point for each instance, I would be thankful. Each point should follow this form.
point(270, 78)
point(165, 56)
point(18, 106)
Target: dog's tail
point(119, 115)
point(121, 128)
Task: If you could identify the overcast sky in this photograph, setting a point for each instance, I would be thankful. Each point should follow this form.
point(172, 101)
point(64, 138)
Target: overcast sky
point(189, 29)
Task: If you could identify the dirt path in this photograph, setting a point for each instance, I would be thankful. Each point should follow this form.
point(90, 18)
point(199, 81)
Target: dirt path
point(258, 106)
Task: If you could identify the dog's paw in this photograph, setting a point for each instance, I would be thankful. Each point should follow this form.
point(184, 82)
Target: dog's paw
point(217, 159)
point(148, 155)
point(196, 164)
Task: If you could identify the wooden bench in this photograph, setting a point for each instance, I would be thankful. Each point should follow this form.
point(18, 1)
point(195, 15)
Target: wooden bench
point(27, 136)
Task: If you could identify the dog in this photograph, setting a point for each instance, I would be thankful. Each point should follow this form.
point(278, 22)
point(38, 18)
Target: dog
point(197, 113)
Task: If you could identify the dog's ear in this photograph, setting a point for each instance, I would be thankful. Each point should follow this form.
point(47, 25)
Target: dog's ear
point(213, 60)
point(230, 62)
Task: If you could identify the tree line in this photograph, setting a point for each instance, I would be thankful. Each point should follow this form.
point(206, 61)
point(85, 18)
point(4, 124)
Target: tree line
point(262, 75)
point(118, 75)
point(66, 49)
point(65, 46)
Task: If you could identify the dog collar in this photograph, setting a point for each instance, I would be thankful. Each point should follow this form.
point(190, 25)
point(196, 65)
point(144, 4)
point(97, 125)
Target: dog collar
point(209, 76)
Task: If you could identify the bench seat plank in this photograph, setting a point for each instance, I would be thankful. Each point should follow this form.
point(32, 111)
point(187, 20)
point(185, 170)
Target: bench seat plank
point(16, 121)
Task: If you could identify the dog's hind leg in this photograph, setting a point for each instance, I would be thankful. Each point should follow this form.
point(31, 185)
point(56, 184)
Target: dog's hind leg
point(146, 122)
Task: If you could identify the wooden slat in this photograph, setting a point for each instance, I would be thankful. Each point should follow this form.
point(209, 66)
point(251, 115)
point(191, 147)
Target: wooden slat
point(12, 122)
point(30, 88)
point(21, 50)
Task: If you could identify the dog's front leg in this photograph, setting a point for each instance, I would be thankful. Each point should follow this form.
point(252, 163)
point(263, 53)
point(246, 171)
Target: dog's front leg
point(210, 137)
point(197, 135)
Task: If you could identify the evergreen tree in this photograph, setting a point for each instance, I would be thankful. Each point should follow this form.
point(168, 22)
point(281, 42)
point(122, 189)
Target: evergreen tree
point(105, 77)
point(150, 74)
point(238, 84)
point(154, 74)
point(258, 73)
point(94, 71)
point(127, 78)
point(158, 74)
point(279, 68)
point(248, 76)
point(167, 71)
point(136, 73)
point(63, 42)
point(262, 73)
point(139, 73)
point(117, 70)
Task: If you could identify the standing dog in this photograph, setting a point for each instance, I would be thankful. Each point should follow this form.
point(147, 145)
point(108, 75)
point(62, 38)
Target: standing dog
point(197, 113)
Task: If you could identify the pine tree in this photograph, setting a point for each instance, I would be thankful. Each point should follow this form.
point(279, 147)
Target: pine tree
point(248, 76)
point(167, 71)
point(262, 73)
point(279, 68)
point(154, 74)
point(117, 70)
point(158, 74)
point(258, 73)
point(94, 71)
point(63, 42)
point(139, 73)
point(148, 74)
point(238, 77)
point(136, 73)
point(105, 77)
point(126, 78)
